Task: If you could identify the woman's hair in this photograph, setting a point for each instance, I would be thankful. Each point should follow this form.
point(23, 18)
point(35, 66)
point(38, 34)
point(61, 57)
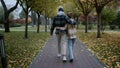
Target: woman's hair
point(70, 14)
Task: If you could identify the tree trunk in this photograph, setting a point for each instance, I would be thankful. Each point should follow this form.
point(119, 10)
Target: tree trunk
point(6, 14)
point(99, 25)
point(38, 25)
point(6, 25)
point(77, 23)
point(46, 24)
point(6, 22)
point(86, 23)
point(26, 26)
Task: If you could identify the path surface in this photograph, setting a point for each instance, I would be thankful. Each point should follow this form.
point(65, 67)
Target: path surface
point(83, 57)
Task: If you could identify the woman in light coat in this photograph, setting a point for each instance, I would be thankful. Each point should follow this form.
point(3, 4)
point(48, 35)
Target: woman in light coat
point(71, 36)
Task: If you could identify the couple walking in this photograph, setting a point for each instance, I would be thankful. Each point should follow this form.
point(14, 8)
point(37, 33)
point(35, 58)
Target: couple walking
point(64, 27)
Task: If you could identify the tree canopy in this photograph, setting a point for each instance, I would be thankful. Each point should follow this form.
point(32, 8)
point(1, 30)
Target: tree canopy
point(45, 7)
point(108, 15)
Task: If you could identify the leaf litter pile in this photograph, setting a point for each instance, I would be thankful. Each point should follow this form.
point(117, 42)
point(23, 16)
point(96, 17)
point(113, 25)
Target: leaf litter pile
point(107, 48)
point(20, 52)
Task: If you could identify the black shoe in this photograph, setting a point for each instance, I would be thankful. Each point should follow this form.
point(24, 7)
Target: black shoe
point(71, 60)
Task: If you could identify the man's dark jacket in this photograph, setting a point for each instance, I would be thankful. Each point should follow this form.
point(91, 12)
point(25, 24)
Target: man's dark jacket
point(60, 20)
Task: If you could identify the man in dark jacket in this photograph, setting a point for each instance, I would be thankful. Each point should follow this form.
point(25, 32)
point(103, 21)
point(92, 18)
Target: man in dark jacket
point(59, 25)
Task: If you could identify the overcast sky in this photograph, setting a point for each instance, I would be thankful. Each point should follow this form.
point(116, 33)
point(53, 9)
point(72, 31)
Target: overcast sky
point(11, 3)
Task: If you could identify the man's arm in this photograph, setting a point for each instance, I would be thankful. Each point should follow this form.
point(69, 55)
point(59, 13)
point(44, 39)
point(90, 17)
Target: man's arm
point(68, 20)
point(52, 27)
point(74, 22)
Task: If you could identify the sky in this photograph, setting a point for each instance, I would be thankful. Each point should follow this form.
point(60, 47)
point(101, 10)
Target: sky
point(11, 3)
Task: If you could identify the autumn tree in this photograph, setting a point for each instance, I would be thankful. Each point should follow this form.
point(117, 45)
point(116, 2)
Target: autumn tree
point(38, 7)
point(26, 4)
point(109, 14)
point(107, 17)
point(86, 7)
point(69, 6)
point(44, 7)
point(99, 5)
point(50, 7)
point(7, 13)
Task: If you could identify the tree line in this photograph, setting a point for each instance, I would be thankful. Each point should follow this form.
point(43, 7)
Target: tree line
point(48, 8)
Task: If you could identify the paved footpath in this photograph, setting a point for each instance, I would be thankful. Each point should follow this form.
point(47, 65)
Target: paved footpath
point(47, 58)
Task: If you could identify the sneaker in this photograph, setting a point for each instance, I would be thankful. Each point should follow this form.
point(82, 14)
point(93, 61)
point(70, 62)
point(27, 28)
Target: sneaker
point(64, 59)
point(59, 55)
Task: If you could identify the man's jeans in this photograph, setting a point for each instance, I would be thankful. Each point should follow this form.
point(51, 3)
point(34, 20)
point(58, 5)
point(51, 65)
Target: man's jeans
point(70, 47)
point(62, 44)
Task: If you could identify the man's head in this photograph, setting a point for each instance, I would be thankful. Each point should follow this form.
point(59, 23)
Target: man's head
point(60, 9)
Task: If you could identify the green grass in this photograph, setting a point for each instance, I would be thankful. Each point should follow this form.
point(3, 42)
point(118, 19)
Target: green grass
point(42, 28)
point(30, 28)
point(94, 27)
point(20, 52)
point(107, 48)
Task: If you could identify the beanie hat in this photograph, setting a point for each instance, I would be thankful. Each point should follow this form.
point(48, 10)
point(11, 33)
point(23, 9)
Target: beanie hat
point(60, 8)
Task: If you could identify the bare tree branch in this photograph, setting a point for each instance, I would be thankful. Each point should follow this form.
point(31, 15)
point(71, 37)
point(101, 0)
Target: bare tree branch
point(21, 4)
point(4, 5)
point(14, 7)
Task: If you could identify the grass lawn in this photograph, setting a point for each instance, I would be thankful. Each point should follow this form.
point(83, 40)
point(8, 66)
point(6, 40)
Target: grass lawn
point(107, 48)
point(30, 28)
point(20, 51)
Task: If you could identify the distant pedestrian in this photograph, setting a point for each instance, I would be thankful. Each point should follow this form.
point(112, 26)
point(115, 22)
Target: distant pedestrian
point(59, 25)
point(71, 27)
